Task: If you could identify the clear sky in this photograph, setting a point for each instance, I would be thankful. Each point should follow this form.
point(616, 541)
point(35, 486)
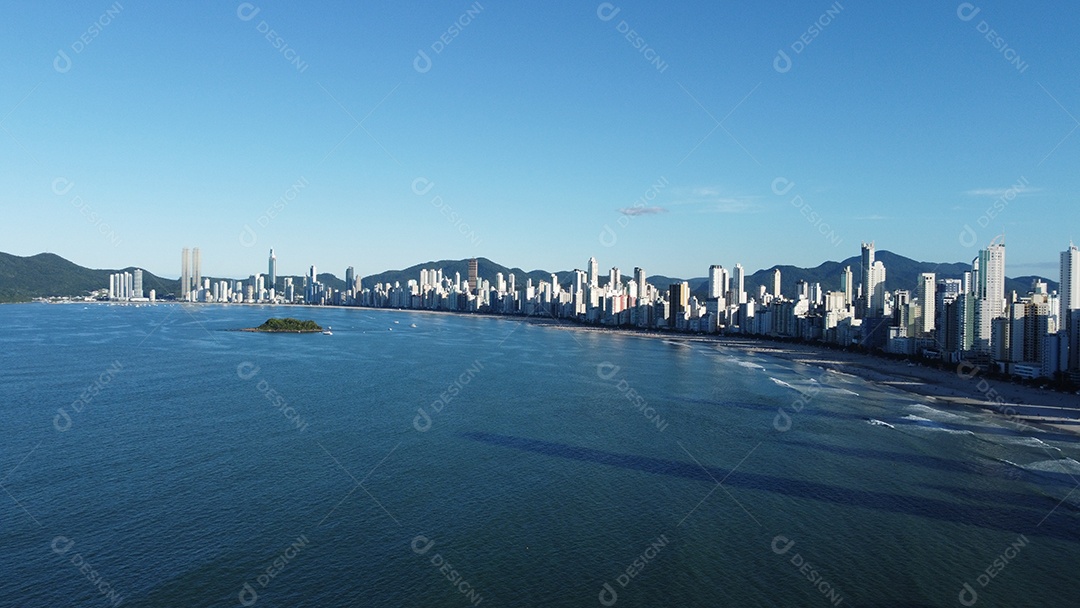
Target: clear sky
point(664, 135)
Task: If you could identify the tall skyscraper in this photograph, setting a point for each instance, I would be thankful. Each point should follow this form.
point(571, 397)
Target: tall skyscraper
point(928, 302)
point(185, 275)
point(846, 286)
point(594, 273)
point(272, 269)
point(946, 292)
point(678, 300)
point(196, 267)
point(1069, 303)
point(715, 289)
point(738, 285)
point(350, 278)
point(615, 279)
point(989, 293)
point(1069, 286)
point(639, 278)
point(137, 288)
point(473, 275)
point(873, 275)
point(776, 283)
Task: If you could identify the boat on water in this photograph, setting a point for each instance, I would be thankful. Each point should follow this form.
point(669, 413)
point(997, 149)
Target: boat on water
point(327, 332)
point(412, 325)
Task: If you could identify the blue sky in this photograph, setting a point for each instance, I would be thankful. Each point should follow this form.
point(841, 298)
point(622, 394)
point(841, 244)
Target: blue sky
point(541, 134)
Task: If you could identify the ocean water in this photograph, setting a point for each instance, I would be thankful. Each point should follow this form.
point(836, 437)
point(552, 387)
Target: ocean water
point(152, 457)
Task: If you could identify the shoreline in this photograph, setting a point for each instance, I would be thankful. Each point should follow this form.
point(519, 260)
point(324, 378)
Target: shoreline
point(1010, 402)
point(1015, 403)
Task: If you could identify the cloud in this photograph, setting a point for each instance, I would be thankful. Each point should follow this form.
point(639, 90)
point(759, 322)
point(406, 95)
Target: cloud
point(635, 211)
point(1000, 192)
point(873, 218)
point(729, 205)
point(712, 199)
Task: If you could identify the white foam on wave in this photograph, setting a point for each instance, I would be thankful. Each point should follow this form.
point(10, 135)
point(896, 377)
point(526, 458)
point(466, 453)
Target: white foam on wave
point(1062, 465)
point(781, 383)
point(1033, 442)
point(950, 431)
point(876, 422)
point(750, 365)
point(939, 415)
point(915, 418)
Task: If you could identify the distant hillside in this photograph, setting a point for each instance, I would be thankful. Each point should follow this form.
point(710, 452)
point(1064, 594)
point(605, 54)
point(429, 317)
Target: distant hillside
point(900, 273)
point(484, 267)
point(46, 275)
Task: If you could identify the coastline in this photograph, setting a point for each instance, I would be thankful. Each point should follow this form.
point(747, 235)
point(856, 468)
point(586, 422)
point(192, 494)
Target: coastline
point(1028, 408)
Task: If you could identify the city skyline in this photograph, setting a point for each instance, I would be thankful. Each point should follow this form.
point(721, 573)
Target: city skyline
point(717, 126)
point(1032, 333)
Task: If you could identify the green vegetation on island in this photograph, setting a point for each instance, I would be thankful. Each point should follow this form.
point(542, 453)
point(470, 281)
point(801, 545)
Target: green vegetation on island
point(287, 324)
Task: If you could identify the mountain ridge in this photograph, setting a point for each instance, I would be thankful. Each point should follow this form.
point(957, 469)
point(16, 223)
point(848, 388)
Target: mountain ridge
point(50, 275)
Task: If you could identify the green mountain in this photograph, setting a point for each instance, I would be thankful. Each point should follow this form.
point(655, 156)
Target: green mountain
point(47, 274)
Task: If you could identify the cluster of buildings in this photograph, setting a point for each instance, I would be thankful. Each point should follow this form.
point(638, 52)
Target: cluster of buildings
point(128, 287)
point(968, 318)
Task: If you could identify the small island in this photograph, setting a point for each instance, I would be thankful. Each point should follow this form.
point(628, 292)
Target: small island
point(287, 325)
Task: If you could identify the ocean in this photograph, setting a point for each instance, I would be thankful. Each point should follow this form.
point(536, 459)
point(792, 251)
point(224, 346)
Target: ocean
point(152, 456)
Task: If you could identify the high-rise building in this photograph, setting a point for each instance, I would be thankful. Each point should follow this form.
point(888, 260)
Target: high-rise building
point(1069, 304)
point(137, 288)
point(678, 300)
point(196, 268)
point(846, 286)
point(738, 285)
point(868, 278)
point(594, 273)
point(350, 278)
point(928, 302)
point(615, 279)
point(716, 290)
point(946, 292)
point(776, 283)
point(473, 275)
point(642, 287)
point(272, 270)
point(989, 293)
point(185, 275)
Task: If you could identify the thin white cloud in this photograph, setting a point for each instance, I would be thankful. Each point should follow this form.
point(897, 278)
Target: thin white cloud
point(999, 192)
point(635, 211)
point(873, 218)
point(713, 199)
